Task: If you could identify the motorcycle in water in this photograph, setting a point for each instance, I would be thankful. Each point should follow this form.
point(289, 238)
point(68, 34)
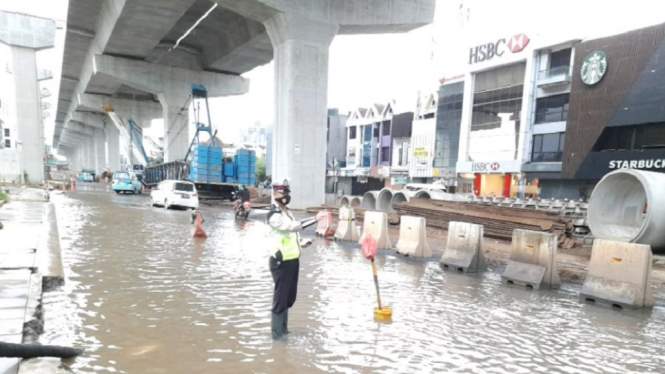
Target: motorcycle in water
point(243, 209)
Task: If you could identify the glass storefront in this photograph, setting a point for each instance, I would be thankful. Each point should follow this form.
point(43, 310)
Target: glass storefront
point(497, 106)
point(448, 122)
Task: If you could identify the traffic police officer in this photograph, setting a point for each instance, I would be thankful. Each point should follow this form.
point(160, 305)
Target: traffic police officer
point(284, 262)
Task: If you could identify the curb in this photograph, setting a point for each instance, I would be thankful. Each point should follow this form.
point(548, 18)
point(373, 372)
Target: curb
point(49, 252)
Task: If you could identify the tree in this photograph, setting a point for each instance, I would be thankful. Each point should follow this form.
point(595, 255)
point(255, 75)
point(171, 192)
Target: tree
point(261, 169)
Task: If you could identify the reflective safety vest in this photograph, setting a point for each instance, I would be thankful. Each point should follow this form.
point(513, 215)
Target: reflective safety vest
point(286, 242)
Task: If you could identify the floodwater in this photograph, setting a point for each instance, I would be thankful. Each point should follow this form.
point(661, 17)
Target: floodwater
point(143, 296)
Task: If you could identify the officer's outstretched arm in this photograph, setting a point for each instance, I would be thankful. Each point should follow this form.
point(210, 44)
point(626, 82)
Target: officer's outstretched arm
point(278, 222)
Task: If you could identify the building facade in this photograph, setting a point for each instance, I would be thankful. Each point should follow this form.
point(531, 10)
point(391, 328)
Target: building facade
point(510, 110)
point(336, 150)
point(616, 117)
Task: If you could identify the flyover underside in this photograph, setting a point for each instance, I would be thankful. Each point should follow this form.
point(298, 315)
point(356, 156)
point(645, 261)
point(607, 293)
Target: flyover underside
point(129, 50)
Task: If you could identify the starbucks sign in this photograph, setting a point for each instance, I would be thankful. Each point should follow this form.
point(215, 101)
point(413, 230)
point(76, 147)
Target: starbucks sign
point(594, 68)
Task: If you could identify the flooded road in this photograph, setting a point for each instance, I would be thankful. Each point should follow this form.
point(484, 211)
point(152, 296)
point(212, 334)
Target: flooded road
point(142, 296)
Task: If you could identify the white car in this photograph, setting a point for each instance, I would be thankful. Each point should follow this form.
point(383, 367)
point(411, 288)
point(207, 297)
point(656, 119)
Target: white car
point(172, 193)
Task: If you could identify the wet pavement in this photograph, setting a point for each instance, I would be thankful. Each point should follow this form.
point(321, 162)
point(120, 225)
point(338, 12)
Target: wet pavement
point(19, 238)
point(142, 296)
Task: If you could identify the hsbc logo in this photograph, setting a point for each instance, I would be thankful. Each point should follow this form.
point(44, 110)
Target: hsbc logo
point(486, 52)
point(485, 166)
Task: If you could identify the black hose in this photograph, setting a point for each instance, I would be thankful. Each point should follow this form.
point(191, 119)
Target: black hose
point(37, 350)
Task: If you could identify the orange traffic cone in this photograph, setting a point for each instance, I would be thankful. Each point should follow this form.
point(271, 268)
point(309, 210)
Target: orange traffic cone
point(199, 233)
point(142, 188)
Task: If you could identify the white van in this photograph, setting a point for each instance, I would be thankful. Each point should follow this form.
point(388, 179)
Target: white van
point(432, 187)
point(173, 193)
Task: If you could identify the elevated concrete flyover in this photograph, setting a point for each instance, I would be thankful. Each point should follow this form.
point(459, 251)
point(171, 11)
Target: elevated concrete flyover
point(128, 49)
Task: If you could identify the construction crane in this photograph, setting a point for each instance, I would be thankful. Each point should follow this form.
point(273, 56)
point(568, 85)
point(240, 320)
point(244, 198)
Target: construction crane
point(200, 95)
point(132, 134)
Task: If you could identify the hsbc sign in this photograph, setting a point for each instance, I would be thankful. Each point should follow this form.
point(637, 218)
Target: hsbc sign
point(486, 52)
point(491, 167)
point(485, 166)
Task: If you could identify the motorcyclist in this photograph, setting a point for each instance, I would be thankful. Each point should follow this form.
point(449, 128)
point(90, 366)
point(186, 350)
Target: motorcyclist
point(241, 196)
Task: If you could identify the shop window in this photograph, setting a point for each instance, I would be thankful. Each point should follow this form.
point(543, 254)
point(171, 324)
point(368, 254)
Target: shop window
point(448, 122)
point(632, 138)
point(491, 108)
point(650, 137)
point(548, 147)
point(552, 109)
point(560, 58)
point(386, 128)
point(616, 139)
point(385, 154)
point(352, 132)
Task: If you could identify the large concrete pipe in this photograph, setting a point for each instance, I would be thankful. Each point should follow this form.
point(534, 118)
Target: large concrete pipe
point(435, 195)
point(369, 200)
point(401, 197)
point(345, 201)
point(384, 203)
point(356, 201)
point(629, 206)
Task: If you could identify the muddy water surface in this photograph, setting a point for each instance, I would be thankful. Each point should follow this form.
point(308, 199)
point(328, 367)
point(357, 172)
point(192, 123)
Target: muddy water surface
point(142, 296)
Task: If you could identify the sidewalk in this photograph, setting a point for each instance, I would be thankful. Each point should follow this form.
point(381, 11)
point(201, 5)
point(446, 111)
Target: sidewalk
point(29, 260)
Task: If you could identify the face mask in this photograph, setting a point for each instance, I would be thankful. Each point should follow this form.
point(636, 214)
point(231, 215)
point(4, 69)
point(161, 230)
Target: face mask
point(285, 200)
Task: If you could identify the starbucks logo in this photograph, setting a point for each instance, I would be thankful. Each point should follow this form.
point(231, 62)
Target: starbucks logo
point(594, 68)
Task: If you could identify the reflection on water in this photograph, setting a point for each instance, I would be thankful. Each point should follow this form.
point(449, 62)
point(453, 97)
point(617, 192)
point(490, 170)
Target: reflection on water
point(142, 296)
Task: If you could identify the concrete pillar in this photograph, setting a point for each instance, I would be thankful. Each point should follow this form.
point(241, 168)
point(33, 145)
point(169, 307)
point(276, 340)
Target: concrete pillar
point(301, 86)
point(113, 147)
point(25, 35)
point(176, 124)
point(99, 141)
point(29, 113)
point(89, 157)
point(76, 159)
point(81, 157)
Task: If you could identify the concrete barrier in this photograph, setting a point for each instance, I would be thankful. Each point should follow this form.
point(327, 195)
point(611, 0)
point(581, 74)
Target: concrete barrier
point(533, 260)
point(346, 228)
point(384, 202)
point(345, 201)
point(325, 226)
point(376, 224)
point(619, 275)
point(369, 200)
point(356, 201)
point(464, 249)
point(413, 237)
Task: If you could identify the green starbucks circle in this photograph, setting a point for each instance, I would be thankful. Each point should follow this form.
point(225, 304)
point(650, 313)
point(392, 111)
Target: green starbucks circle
point(594, 68)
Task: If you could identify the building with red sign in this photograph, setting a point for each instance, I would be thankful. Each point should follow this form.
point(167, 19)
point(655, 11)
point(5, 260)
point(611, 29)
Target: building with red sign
point(510, 116)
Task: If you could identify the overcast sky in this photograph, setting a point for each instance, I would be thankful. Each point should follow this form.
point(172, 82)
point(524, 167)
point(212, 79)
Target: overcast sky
point(375, 68)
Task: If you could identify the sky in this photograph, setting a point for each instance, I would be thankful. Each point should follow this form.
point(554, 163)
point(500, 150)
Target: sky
point(366, 69)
